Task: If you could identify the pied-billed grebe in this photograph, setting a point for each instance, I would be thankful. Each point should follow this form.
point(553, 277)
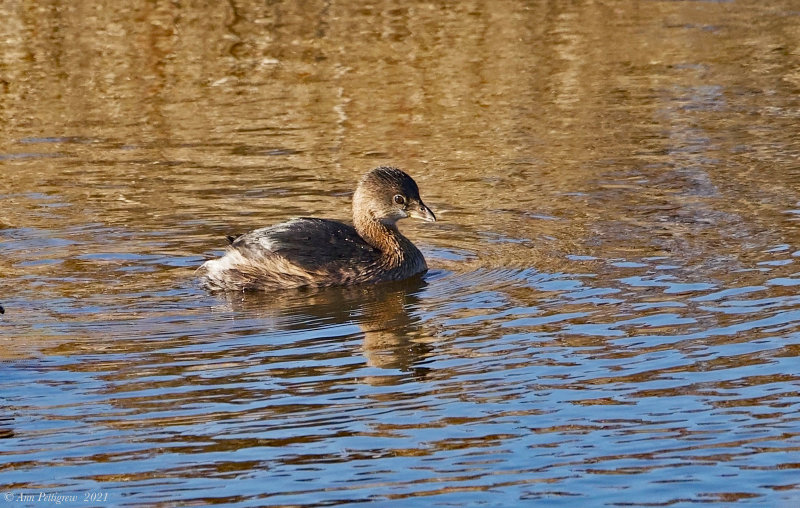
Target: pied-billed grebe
point(320, 252)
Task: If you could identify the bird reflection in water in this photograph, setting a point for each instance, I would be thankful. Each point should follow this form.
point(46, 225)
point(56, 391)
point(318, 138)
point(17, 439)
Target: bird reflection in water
point(393, 334)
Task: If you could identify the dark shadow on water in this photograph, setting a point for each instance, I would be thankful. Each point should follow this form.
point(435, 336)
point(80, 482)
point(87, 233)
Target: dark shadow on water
point(6, 430)
point(385, 314)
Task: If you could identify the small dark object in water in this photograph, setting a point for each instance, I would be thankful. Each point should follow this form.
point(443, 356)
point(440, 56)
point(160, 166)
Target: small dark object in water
point(2, 310)
point(321, 252)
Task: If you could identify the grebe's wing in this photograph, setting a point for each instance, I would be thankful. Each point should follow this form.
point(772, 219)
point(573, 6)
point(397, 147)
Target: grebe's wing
point(308, 243)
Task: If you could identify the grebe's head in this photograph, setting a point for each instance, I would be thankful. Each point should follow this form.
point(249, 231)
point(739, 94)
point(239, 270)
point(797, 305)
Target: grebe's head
point(387, 195)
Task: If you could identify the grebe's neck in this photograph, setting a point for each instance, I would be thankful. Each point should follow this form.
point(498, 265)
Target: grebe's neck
point(384, 237)
point(399, 256)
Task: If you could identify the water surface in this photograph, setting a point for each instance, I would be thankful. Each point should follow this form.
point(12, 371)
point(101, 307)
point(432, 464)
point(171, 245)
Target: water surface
point(611, 317)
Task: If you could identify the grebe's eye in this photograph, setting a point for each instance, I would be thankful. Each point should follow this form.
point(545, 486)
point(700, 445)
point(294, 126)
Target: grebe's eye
point(400, 200)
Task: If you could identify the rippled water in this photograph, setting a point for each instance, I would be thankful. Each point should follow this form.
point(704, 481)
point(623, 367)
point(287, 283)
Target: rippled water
point(611, 317)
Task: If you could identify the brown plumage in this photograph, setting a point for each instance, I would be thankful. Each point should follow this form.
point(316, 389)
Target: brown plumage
point(321, 252)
